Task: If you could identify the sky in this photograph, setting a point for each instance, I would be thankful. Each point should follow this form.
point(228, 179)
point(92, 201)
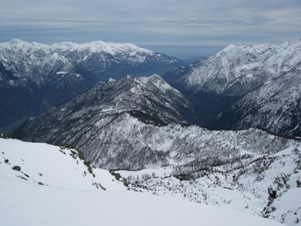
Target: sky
point(157, 23)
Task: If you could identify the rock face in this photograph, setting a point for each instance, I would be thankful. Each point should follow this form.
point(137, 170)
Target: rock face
point(35, 77)
point(246, 86)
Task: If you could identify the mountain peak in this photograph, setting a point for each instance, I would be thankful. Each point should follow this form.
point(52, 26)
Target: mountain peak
point(17, 42)
point(237, 71)
point(229, 47)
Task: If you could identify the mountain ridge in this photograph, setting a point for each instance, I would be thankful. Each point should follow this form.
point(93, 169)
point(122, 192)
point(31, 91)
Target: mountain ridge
point(43, 75)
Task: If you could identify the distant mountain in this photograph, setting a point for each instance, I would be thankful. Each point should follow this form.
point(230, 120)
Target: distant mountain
point(226, 86)
point(35, 76)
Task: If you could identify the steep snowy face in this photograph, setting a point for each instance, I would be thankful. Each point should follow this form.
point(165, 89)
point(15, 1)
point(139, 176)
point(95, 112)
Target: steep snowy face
point(30, 73)
point(236, 70)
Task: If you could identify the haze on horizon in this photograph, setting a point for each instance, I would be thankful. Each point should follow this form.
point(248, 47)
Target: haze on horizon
point(158, 23)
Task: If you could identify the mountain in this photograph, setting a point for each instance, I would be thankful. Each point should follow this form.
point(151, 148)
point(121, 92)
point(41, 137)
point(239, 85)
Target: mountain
point(46, 185)
point(35, 76)
point(137, 123)
point(234, 76)
point(142, 125)
point(84, 121)
point(275, 106)
point(240, 170)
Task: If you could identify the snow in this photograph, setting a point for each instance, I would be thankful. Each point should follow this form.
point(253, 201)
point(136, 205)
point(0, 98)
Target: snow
point(68, 200)
point(111, 80)
point(256, 63)
point(84, 48)
point(291, 215)
point(23, 204)
point(291, 198)
point(62, 72)
point(50, 165)
point(241, 188)
point(158, 172)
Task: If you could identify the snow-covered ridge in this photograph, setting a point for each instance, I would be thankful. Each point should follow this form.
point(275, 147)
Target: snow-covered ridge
point(91, 47)
point(246, 64)
point(159, 82)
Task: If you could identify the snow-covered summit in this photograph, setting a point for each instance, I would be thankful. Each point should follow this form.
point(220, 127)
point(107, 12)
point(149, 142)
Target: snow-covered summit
point(100, 46)
point(92, 47)
point(246, 66)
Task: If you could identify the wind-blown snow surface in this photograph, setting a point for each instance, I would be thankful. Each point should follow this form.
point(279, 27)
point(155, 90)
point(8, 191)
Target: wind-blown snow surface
point(65, 200)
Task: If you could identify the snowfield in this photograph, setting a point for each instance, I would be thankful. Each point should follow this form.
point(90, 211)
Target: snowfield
point(42, 184)
point(32, 205)
point(51, 166)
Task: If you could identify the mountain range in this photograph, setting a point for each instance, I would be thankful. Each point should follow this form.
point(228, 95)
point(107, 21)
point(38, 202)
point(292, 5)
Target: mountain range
point(36, 76)
point(248, 97)
point(253, 86)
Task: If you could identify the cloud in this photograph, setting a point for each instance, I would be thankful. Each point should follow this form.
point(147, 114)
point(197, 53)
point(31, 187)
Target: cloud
point(152, 21)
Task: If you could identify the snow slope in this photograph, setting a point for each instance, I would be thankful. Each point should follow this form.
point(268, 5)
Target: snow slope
point(47, 165)
point(75, 202)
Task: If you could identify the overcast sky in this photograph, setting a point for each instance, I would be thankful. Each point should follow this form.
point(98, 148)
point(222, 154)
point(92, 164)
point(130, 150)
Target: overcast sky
point(152, 22)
